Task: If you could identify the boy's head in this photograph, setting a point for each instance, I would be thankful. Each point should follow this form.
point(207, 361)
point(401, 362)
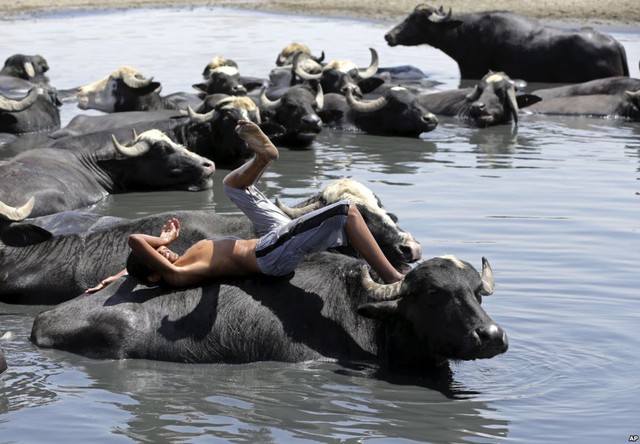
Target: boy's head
point(140, 271)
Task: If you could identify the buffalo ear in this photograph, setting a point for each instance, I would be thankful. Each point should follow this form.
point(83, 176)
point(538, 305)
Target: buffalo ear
point(370, 84)
point(379, 310)
point(151, 87)
point(24, 234)
point(201, 87)
point(524, 100)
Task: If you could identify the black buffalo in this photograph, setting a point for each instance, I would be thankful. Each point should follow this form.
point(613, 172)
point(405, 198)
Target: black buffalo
point(222, 76)
point(612, 97)
point(492, 101)
point(53, 180)
point(296, 111)
point(517, 45)
point(125, 89)
point(51, 259)
point(339, 76)
point(328, 309)
point(208, 131)
point(36, 112)
point(398, 112)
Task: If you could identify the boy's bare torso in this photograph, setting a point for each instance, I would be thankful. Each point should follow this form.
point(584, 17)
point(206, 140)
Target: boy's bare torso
point(214, 257)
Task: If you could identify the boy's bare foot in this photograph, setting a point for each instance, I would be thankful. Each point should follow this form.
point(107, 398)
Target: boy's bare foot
point(257, 140)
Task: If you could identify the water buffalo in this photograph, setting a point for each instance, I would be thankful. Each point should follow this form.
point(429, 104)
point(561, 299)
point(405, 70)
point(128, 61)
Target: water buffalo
point(400, 247)
point(125, 89)
point(339, 76)
point(27, 67)
point(611, 97)
point(290, 51)
point(55, 180)
point(296, 111)
point(50, 259)
point(398, 113)
point(491, 101)
point(520, 46)
point(208, 131)
point(223, 77)
point(328, 309)
point(36, 112)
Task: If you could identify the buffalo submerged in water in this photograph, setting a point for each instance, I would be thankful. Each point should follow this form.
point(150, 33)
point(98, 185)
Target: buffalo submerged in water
point(328, 309)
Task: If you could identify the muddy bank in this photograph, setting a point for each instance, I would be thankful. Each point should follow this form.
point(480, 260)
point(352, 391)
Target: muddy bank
point(592, 12)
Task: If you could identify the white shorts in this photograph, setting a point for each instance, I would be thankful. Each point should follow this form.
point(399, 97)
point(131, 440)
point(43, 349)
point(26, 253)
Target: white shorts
point(284, 242)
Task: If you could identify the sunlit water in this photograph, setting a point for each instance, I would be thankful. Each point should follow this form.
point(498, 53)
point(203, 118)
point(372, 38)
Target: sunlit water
point(553, 204)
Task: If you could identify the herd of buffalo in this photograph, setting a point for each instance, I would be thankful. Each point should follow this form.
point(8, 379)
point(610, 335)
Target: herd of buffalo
point(330, 308)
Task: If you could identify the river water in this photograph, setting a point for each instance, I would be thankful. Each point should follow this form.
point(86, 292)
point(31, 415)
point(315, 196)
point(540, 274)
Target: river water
point(553, 204)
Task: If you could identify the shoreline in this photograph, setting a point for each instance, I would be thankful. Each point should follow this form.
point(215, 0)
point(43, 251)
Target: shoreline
point(618, 14)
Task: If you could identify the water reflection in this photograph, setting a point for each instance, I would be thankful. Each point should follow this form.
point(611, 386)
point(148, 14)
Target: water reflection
point(273, 402)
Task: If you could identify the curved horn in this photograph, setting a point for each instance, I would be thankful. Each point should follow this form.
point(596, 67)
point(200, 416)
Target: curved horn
point(11, 105)
point(202, 118)
point(294, 213)
point(438, 16)
point(318, 59)
point(487, 278)
point(373, 67)
point(138, 149)
point(302, 73)
point(268, 104)
point(319, 97)
point(16, 214)
point(365, 107)
point(29, 69)
point(130, 79)
point(381, 292)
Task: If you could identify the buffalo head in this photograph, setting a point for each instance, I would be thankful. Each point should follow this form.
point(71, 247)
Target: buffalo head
point(296, 111)
point(117, 91)
point(493, 100)
point(153, 161)
point(339, 76)
point(438, 304)
point(424, 24)
point(397, 112)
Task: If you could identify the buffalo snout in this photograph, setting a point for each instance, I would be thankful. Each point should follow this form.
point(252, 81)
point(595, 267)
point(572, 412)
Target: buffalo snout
point(491, 341)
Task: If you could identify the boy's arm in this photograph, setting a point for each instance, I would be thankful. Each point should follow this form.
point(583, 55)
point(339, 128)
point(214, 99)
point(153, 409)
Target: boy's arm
point(103, 283)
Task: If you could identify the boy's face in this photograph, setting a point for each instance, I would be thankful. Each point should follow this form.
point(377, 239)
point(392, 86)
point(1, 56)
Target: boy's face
point(167, 254)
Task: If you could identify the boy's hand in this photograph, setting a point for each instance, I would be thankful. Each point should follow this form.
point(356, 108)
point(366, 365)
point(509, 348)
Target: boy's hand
point(170, 231)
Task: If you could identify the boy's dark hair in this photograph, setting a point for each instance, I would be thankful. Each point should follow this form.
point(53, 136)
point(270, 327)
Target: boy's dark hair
point(138, 269)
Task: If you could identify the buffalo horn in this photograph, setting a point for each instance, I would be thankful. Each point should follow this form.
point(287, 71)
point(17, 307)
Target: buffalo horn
point(319, 97)
point(380, 292)
point(487, 278)
point(373, 67)
point(133, 81)
point(29, 69)
point(318, 59)
point(138, 149)
point(16, 214)
point(365, 107)
point(438, 16)
point(301, 72)
point(294, 213)
point(268, 104)
point(202, 118)
point(7, 104)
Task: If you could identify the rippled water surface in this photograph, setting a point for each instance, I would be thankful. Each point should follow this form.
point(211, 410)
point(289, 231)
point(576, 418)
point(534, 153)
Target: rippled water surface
point(553, 204)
